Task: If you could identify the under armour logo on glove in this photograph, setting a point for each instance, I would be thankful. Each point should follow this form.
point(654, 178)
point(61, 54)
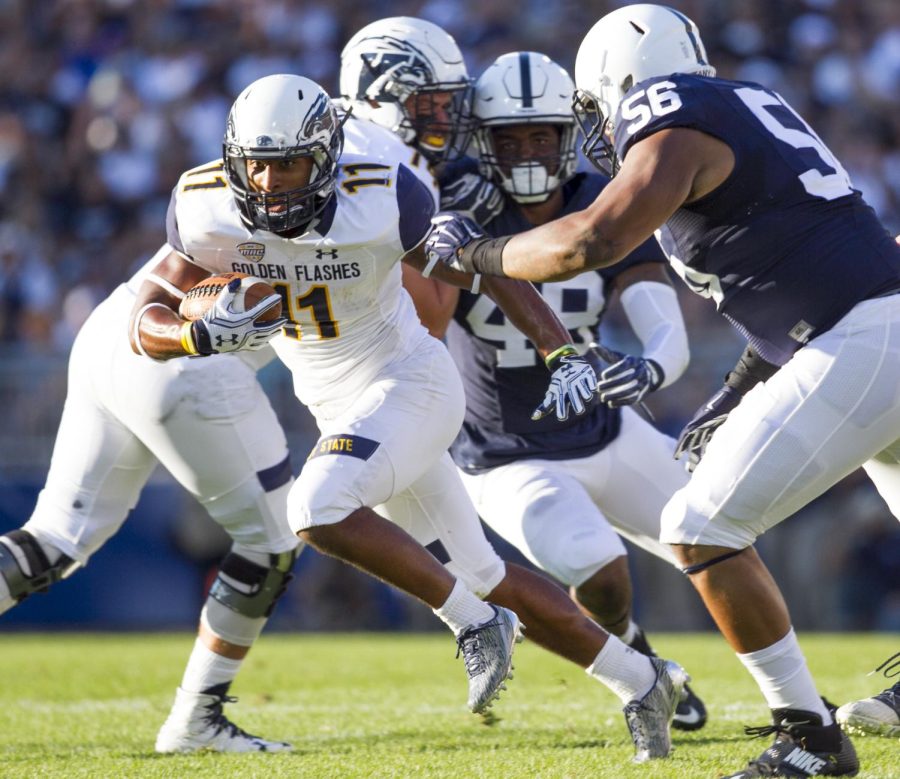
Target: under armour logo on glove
point(232, 330)
point(450, 232)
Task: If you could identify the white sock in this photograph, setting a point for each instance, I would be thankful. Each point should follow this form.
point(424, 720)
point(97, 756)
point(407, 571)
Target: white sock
point(626, 672)
point(206, 669)
point(781, 672)
point(463, 609)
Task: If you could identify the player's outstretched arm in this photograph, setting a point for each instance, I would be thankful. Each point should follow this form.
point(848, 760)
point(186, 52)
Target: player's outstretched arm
point(435, 301)
point(660, 174)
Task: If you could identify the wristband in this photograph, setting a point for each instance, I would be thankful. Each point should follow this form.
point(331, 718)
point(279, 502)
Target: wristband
point(187, 339)
point(485, 255)
point(200, 338)
point(553, 358)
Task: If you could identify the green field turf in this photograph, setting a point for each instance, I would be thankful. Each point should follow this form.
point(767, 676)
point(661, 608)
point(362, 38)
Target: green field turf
point(378, 706)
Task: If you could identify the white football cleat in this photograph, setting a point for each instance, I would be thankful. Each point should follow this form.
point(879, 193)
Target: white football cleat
point(197, 723)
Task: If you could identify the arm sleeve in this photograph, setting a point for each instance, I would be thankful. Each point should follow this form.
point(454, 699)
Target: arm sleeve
point(653, 311)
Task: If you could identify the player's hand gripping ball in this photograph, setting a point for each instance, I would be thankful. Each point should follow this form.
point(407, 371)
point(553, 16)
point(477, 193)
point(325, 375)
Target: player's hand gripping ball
point(228, 313)
point(200, 298)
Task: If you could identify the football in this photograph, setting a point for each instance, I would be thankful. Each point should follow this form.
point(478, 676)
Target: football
point(199, 298)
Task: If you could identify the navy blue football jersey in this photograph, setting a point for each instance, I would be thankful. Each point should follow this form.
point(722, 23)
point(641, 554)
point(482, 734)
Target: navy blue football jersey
point(504, 376)
point(785, 246)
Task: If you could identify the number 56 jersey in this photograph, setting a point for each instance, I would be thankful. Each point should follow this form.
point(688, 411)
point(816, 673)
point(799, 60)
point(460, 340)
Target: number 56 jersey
point(348, 316)
point(784, 246)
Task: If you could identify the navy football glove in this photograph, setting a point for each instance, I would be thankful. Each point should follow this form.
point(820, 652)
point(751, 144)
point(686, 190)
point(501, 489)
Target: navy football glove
point(627, 379)
point(696, 434)
point(573, 383)
point(449, 233)
point(474, 196)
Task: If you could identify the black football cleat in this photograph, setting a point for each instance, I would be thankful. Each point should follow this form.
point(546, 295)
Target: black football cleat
point(802, 747)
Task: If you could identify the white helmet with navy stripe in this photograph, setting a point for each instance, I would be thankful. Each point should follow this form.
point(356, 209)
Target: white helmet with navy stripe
point(625, 47)
point(525, 87)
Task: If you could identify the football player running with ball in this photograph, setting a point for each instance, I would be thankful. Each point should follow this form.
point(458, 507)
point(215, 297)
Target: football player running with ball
point(755, 212)
point(332, 207)
point(125, 414)
point(560, 490)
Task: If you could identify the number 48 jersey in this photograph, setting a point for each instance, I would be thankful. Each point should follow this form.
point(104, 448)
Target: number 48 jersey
point(349, 317)
point(784, 246)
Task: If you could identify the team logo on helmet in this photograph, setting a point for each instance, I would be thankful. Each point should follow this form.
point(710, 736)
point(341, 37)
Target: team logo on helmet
point(320, 119)
point(252, 250)
point(392, 63)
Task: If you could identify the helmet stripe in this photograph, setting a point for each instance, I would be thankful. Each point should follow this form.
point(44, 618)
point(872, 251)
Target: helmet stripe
point(688, 28)
point(525, 76)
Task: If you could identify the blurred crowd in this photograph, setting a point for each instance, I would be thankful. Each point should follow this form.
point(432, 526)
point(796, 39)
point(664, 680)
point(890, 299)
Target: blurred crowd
point(104, 102)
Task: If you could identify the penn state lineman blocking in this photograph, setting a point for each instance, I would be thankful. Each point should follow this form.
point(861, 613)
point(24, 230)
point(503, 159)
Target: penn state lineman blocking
point(756, 213)
point(557, 489)
point(385, 394)
point(123, 415)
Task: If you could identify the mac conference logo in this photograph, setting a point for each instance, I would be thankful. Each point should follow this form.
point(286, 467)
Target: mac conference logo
point(252, 250)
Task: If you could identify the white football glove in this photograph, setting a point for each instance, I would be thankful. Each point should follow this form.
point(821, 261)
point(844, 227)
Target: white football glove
point(572, 383)
point(222, 329)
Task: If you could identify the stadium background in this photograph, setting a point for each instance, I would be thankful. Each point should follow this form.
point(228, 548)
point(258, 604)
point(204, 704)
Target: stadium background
point(104, 102)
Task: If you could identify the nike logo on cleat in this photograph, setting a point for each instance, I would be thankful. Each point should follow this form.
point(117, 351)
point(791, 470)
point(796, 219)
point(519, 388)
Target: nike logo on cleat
point(805, 761)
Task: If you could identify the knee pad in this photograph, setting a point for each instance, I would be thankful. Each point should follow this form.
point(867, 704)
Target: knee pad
point(25, 566)
point(251, 588)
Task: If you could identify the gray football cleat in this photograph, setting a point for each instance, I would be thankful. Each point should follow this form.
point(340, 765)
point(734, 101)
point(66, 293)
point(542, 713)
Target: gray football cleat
point(650, 718)
point(487, 652)
point(197, 723)
point(875, 716)
point(878, 715)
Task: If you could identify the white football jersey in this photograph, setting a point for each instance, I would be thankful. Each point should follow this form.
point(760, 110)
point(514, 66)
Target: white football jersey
point(348, 314)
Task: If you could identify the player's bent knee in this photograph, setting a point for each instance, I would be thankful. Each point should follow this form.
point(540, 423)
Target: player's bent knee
point(251, 587)
point(28, 567)
point(684, 521)
point(253, 513)
point(607, 592)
